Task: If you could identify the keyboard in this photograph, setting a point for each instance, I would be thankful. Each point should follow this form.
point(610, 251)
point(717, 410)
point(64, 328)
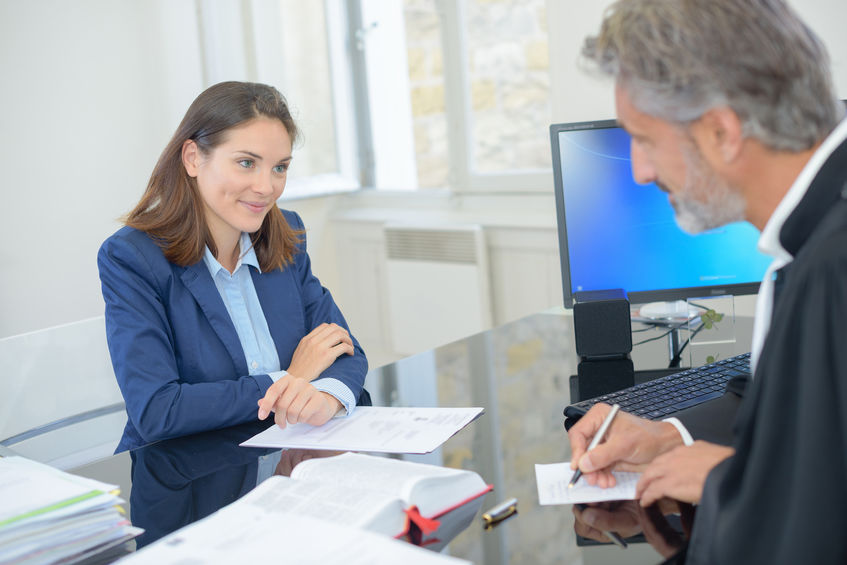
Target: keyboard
point(659, 398)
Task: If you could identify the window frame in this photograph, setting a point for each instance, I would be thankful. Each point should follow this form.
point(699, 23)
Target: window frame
point(462, 175)
point(239, 41)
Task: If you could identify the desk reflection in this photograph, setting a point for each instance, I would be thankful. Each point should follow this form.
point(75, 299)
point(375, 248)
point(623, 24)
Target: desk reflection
point(179, 481)
point(666, 525)
point(518, 372)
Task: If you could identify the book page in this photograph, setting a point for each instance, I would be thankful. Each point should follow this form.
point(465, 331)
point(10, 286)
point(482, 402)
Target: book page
point(380, 429)
point(553, 488)
point(241, 533)
point(341, 504)
point(395, 477)
point(390, 476)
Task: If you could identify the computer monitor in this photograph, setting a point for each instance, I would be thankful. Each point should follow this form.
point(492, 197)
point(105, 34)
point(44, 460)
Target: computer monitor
point(615, 233)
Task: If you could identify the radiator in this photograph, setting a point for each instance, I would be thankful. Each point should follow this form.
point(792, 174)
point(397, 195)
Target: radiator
point(438, 288)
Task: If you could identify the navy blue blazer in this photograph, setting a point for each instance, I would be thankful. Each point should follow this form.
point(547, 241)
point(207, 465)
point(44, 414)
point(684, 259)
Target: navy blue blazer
point(174, 348)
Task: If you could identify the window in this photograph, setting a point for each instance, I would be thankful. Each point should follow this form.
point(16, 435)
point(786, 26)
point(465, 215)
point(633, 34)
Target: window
point(302, 48)
point(508, 79)
point(480, 90)
point(426, 84)
point(398, 95)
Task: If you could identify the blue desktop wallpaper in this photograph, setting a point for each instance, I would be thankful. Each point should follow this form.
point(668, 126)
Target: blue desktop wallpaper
point(623, 235)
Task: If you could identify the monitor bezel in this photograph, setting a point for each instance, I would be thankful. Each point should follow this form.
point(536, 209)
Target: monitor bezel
point(635, 297)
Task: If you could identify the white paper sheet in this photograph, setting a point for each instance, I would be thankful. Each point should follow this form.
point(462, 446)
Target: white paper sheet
point(243, 533)
point(48, 516)
point(29, 488)
point(553, 488)
point(373, 428)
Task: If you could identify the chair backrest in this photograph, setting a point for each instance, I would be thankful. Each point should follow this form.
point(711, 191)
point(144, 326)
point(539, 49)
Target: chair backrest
point(55, 378)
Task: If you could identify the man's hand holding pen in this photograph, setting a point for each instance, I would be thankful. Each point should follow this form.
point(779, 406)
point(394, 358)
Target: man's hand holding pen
point(630, 444)
point(635, 444)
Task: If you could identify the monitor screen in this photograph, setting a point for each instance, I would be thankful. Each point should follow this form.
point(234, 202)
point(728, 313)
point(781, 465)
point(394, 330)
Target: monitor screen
point(615, 233)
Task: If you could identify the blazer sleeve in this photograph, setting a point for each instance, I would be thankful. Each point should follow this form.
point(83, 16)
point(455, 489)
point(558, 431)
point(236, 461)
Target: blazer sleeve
point(138, 289)
point(319, 307)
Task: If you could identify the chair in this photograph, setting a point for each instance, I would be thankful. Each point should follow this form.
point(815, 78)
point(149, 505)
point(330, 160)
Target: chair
point(59, 401)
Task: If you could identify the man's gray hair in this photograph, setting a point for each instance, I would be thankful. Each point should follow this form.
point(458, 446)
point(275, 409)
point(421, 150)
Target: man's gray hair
point(676, 59)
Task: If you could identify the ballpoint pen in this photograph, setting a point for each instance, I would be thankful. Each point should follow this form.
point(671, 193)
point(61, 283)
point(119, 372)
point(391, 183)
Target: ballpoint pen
point(598, 437)
point(500, 512)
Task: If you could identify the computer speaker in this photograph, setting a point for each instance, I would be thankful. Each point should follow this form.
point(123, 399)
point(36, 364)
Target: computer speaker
point(596, 377)
point(602, 327)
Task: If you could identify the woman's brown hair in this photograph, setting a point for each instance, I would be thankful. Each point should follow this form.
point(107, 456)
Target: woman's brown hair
point(171, 209)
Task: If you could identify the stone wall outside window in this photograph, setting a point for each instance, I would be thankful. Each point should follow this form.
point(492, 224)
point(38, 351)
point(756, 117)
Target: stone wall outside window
point(509, 86)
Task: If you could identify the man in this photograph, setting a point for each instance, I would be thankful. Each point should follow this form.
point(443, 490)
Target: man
point(731, 110)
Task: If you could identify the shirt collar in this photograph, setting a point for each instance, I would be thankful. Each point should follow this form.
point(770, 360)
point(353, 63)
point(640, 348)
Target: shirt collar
point(247, 257)
point(769, 241)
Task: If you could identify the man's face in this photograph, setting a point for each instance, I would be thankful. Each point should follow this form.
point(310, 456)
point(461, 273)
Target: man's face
point(665, 154)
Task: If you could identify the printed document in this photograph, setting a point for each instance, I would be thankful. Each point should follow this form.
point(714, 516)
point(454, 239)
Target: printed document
point(247, 533)
point(553, 488)
point(29, 489)
point(379, 429)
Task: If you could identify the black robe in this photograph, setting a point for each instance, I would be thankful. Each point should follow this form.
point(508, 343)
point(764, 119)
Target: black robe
point(782, 498)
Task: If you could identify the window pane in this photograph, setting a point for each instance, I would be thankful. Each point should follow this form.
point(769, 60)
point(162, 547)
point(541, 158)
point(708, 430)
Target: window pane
point(426, 82)
point(509, 80)
point(308, 86)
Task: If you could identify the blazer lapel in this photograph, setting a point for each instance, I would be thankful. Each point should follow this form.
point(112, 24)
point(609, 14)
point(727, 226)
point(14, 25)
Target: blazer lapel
point(198, 281)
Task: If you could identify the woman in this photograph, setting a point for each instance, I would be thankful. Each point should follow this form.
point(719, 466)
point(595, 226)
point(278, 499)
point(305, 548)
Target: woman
point(208, 288)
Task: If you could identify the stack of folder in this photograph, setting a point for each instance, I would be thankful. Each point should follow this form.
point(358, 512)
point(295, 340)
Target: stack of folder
point(49, 516)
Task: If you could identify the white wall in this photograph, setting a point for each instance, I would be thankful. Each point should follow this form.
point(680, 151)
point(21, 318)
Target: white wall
point(579, 96)
point(92, 90)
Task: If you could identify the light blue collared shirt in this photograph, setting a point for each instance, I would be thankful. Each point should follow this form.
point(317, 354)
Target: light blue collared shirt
point(242, 304)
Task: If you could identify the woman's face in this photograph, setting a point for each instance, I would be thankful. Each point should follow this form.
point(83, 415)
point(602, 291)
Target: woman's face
point(240, 179)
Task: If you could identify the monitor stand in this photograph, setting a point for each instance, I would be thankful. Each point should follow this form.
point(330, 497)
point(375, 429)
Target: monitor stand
point(672, 315)
point(677, 311)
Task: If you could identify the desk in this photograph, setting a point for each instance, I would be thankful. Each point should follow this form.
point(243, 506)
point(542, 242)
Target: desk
point(519, 372)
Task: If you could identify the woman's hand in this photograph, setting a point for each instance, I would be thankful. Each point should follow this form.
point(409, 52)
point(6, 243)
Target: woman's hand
point(295, 400)
point(318, 350)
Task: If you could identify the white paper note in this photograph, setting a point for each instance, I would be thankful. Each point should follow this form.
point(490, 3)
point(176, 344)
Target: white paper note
point(377, 429)
point(553, 488)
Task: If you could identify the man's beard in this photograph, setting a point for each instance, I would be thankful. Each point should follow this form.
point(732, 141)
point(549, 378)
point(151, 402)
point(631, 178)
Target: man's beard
point(706, 201)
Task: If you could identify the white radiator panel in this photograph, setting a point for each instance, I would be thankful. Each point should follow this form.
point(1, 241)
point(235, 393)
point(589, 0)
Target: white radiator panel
point(437, 285)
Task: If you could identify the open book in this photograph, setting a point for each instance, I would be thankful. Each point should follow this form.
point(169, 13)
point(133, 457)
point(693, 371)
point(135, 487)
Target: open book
point(384, 495)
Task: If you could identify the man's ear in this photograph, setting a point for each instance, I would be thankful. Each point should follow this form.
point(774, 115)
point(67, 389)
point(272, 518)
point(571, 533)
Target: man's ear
point(719, 134)
point(190, 157)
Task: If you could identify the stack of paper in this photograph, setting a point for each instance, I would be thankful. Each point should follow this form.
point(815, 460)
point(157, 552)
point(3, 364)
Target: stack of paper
point(47, 515)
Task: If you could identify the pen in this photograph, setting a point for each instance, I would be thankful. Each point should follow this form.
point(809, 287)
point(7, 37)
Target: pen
point(500, 512)
point(598, 437)
point(614, 536)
